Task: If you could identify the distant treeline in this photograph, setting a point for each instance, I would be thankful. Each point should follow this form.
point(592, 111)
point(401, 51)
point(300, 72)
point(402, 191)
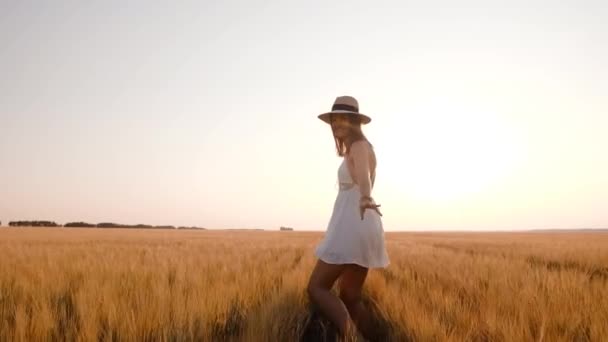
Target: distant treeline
point(92, 225)
point(34, 224)
point(115, 225)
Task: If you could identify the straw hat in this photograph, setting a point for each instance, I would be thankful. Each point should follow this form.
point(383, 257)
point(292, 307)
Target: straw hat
point(345, 105)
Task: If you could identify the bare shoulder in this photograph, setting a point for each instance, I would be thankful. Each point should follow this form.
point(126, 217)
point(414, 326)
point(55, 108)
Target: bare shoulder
point(362, 151)
point(361, 146)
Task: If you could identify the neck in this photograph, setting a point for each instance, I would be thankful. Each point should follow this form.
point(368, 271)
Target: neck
point(348, 140)
point(351, 139)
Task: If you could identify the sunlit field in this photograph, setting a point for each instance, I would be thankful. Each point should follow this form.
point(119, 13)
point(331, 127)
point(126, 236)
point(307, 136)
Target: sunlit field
point(170, 285)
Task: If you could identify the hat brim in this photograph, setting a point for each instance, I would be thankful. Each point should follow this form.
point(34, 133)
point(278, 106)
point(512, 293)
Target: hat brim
point(362, 117)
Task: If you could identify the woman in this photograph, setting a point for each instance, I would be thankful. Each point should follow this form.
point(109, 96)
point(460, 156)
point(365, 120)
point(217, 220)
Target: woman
point(354, 241)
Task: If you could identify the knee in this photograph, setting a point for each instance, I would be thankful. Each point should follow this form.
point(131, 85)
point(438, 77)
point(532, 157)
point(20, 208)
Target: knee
point(350, 300)
point(311, 289)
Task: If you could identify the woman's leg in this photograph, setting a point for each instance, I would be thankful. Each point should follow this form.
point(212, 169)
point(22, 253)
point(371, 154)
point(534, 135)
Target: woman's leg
point(319, 290)
point(351, 286)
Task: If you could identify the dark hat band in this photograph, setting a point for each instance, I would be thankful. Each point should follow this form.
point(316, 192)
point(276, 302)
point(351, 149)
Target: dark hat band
point(350, 108)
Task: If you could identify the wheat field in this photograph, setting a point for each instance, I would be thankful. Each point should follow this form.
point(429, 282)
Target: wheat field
point(89, 284)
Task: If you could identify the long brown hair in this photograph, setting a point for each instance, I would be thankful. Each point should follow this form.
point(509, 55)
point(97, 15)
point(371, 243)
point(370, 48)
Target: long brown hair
point(355, 134)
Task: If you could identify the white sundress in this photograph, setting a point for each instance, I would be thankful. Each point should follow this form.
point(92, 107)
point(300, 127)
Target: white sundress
point(348, 239)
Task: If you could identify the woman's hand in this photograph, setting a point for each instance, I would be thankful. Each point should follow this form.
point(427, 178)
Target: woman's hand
point(367, 202)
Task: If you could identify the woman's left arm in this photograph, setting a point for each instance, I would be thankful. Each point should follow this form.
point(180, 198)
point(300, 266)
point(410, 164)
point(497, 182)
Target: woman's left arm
point(360, 156)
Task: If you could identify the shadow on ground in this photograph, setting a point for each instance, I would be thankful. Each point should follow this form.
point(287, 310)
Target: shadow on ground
point(317, 328)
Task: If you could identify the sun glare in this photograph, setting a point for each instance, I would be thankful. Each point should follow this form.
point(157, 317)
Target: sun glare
point(449, 151)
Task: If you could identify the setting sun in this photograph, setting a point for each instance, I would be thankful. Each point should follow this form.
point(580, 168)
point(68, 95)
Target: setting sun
point(450, 150)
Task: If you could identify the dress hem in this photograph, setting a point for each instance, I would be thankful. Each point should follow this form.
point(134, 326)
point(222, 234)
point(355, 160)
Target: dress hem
point(328, 261)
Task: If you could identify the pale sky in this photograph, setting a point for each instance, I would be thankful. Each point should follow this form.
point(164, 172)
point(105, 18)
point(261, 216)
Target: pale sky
point(485, 114)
